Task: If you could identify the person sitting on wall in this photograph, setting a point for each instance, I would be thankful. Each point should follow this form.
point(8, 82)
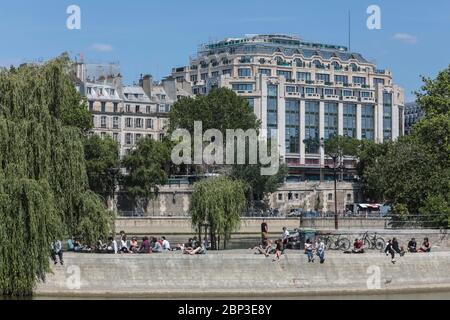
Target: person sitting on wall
point(412, 245)
point(134, 245)
point(123, 248)
point(112, 246)
point(165, 244)
point(358, 246)
point(145, 246)
point(396, 247)
point(156, 246)
point(200, 249)
point(426, 246)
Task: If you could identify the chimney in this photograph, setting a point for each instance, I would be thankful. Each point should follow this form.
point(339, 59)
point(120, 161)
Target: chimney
point(146, 83)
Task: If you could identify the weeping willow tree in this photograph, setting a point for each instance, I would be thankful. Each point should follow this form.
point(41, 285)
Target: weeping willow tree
point(43, 183)
point(218, 203)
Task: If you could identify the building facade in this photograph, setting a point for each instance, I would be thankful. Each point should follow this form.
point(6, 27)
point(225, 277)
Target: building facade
point(413, 114)
point(127, 113)
point(307, 92)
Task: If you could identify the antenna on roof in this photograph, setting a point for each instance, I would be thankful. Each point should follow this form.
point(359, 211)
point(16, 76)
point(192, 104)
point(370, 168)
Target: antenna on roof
point(349, 31)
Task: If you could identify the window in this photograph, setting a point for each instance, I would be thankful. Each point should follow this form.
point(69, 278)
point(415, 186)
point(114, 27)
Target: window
point(103, 107)
point(215, 74)
point(365, 94)
point(290, 89)
point(251, 103)
point(349, 197)
point(244, 72)
point(138, 123)
point(272, 108)
point(312, 142)
point(280, 197)
point(128, 138)
point(115, 107)
point(103, 121)
point(331, 120)
point(323, 77)
point(148, 109)
point(227, 71)
point(91, 105)
point(267, 72)
point(387, 116)
point(112, 92)
point(128, 122)
point(343, 79)
point(330, 197)
point(204, 76)
point(350, 120)
point(368, 122)
point(149, 123)
point(292, 135)
point(360, 80)
point(103, 135)
point(138, 137)
point(115, 122)
point(286, 74)
point(89, 90)
point(310, 90)
point(127, 108)
point(194, 78)
point(116, 136)
point(378, 81)
point(305, 76)
point(347, 93)
point(329, 92)
point(138, 109)
point(242, 87)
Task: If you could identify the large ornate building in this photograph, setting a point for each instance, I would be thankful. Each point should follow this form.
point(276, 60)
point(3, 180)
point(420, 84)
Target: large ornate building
point(306, 91)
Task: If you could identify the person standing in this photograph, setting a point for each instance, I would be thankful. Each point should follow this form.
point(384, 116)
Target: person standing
point(309, 250)
point(56, 250)
point(285, 237)
point(320, 248)
point(264, 230)
point(390, 250)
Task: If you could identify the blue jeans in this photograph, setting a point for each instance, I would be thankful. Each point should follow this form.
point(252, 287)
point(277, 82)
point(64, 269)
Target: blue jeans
point(310, 255)
point(321, 255)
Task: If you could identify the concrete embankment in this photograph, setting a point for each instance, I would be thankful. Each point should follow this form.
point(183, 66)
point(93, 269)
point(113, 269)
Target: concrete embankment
point(239, 273)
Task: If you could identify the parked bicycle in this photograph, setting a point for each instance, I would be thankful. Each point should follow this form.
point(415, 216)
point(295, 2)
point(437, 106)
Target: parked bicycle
point(336, 242)
point(373, 242)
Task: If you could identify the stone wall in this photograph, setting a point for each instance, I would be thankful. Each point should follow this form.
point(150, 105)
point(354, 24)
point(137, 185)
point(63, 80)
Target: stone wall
point(243, 274)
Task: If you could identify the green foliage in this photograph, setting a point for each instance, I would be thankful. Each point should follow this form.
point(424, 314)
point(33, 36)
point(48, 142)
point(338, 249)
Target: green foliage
point(102, 163)
point(434, 96)
point(43, 179)
point(218, 202)
point(340, 146)
point(221, 109)
point(146, 170)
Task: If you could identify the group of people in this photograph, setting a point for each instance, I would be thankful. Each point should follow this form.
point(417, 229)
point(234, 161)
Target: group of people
point(393, 247)
point(267, 247)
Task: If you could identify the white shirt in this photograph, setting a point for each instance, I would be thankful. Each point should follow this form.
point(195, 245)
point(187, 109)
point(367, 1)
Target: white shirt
point(166, 245)
point(285, 234)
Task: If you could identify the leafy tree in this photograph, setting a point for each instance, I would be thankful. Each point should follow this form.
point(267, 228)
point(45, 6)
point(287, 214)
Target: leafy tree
point(146, 167)
point(218, 202)
point(340, 146)
point(43, 181)
point(102, 163)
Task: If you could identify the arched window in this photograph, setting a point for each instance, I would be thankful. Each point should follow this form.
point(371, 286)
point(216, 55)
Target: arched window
point(353, 67)
point(336, 65)
point(299, 63)
point(317, 64)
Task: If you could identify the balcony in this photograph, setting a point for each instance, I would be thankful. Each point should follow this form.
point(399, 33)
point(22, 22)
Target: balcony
point(331, 97)
point(357, 85)
point(368, 99)
point(349, 98)
point(321, 82)
point(315, 96)
point(293, 94)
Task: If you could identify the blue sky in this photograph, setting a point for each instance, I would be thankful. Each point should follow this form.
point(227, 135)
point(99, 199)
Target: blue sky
point(148, 36)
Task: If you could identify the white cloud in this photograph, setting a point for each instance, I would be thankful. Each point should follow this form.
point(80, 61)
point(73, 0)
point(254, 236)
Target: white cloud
point(102, 47)
point(405, 38)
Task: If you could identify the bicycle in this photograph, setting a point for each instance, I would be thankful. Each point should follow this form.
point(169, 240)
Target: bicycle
point(336, 243)
point(374, 242)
